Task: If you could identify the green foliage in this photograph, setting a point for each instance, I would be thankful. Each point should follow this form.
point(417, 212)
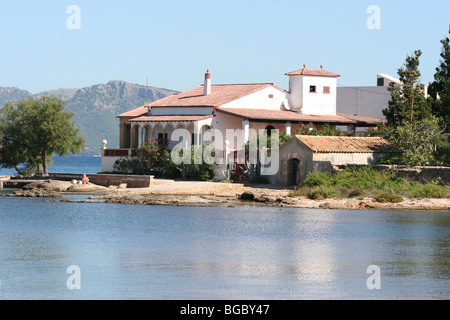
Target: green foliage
point(417, 143)
point(151, 153)
point(440, 87)
point(253, 172)
point(388, 197)
point(227, 175)
point(430, 190)
point(325, 130)
point(317, 178)
point(33, 130)
point(154, 159)
point(408, 102)
point(382, 185)
point(324, 192)
point(95, 108)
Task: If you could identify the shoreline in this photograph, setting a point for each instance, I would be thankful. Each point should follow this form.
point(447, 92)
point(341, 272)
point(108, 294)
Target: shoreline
point(211, 194)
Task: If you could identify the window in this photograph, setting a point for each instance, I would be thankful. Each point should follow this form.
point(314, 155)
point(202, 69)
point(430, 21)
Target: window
point(312, 89)
point(326, 90)
point(270, 96)
point(380, 82)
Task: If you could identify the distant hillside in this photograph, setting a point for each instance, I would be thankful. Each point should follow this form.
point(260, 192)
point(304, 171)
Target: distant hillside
point(12, 94)
point(95, 108)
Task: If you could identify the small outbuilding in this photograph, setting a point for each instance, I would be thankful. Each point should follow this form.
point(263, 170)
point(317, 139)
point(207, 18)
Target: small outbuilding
point(303, 154)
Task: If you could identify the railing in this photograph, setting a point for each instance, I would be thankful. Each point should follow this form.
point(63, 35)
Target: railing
point(116, 152)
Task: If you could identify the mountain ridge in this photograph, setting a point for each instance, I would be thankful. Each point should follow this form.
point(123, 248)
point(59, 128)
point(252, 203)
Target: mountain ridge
point(95, 107)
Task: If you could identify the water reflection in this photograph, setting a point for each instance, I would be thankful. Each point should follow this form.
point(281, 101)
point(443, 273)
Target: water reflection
point(150, 252)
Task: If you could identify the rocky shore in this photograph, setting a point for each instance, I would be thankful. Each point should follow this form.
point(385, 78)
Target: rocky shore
point(212, 194)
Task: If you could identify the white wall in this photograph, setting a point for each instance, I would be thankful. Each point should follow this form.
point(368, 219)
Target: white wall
point(260, 100)
point(108, 163)
point(318, 103)
point(363, 101)
point(169, 111)
point(349, 158)
point(222, 122)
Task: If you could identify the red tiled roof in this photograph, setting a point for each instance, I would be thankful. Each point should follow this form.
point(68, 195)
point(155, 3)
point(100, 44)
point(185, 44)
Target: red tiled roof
point(313, 72)
point(174, 118)
point(135, 112)
point(280, 115)
point(346, 144)
point(220, 94)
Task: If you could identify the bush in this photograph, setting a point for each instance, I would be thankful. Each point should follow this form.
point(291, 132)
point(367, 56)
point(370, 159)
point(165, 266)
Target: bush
point(317, 178)
point(429, 190)
point(388, 197)
point(324, 192)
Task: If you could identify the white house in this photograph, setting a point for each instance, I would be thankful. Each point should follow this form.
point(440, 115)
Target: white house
point(243, 108)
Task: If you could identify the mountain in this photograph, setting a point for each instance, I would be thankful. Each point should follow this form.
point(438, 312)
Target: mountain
point(12, 94)
point(95, 108)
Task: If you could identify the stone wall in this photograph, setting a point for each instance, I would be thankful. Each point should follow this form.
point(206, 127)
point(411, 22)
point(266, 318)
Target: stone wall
point(419, 174)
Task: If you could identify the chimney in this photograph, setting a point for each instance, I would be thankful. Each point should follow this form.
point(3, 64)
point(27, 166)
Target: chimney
point(207, 87)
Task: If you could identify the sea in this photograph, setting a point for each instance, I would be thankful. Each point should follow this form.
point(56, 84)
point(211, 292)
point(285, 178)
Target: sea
point(69, 164)
point(92, 250)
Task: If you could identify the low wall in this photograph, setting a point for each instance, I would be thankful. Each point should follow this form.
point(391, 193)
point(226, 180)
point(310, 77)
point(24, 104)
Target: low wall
point(132, 181)
point(419, 174)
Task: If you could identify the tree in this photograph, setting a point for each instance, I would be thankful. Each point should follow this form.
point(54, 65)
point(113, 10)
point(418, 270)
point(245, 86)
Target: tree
point(408, 101)
point(440, 87)
point(440, 99)
point(33, 130)
point(417, 144)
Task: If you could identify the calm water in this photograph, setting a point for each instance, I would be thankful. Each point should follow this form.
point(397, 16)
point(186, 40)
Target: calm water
point(70, 164)
point(153, 252)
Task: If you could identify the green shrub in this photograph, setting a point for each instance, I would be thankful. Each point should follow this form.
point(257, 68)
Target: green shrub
point(317, 178)
point(429, 190)
point(366, 181)
point(355, 192)
point(324, 192)
point(388, 197)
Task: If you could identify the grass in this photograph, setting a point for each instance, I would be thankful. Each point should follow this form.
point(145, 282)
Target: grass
point(382, 186)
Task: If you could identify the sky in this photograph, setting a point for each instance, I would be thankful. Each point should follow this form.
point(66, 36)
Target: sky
point(47, 44)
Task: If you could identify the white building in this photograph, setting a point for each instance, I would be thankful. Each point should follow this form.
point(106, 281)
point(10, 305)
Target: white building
point(368, 101)
point(244, 108)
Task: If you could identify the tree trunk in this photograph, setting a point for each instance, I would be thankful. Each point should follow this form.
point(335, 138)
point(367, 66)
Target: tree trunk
point(44, 162)
point(40, 168)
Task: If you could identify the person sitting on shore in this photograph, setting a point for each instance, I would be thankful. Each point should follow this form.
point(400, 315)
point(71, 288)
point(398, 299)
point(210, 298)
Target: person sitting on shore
point(85, 179)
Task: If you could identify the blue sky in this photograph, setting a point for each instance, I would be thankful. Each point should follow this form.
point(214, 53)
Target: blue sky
point(173, 42)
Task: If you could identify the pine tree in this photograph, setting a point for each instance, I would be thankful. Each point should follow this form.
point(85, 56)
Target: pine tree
point(440, 88)
point(408, 101)
point(440, 100)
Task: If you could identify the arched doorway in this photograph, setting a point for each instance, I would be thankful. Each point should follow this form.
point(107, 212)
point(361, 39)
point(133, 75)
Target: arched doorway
point(293, 172)
point(268, 130)
point(135, 136)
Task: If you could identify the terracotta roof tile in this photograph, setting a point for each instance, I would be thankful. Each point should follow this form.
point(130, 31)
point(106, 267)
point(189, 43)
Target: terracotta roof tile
point(313, 72)
point(280, 115)
point(346, 144)
point(174, 118)
point(360, 119)
point(220, 94)
point(135, 112)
